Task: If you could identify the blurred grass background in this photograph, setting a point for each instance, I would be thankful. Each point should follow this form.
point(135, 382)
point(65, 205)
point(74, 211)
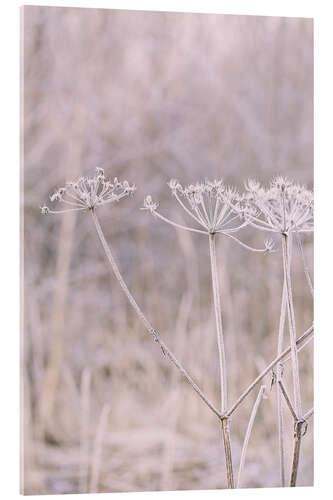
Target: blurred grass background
point(149, 96)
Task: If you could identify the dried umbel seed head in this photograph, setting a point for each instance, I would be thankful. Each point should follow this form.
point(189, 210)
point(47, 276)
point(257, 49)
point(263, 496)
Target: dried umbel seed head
point(283, 207)
point(89, 192)
point(208, 202)
point(213, 205)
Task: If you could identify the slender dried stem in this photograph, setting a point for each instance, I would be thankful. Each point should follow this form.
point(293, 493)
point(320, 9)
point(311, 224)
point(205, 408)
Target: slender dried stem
point(297, 448)
point(178, 226)
point(98, 448)
point(248, 432)
point(166, 351)
point(84, 429)
point(279, 375)
point(219, 327)
point(227, 450)
point(287, 399)
point(308, 414)
point(292, 324)
point(305, 266)
point(279, 372)
point(222, 359)
point(286, 241)
point(268, 368)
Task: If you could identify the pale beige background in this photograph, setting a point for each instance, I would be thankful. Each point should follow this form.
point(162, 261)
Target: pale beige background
point(149, 96)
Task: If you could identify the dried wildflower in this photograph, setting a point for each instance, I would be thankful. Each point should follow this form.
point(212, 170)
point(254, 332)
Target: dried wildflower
point(213, 205)
point(89, 192)
point(284, 207)
point(208, 204)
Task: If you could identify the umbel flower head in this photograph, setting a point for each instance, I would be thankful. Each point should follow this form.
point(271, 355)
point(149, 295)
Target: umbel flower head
point(89, 192)
point(213, 205)
point(284, 207)
point(206, 202)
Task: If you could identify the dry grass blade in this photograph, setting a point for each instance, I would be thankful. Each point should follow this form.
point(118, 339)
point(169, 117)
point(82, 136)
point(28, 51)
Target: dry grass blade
point(248, 433)
point(84, 429)
point(98, 448)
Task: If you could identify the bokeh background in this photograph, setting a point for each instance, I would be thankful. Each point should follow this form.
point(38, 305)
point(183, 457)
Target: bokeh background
point(149, 96)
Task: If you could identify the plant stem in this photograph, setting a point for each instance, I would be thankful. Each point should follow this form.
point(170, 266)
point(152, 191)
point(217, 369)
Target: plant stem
point(305, 266)
point(294, 357)
point(279, 375)
point(287, 399)
point(306, 335)
point(308, 414)
point(296, 453)
point(227, 450)
point(219, 327)
point(222, 359)
point(166, 351)
point(292, 325)
point(248, 432)
point(279, 372)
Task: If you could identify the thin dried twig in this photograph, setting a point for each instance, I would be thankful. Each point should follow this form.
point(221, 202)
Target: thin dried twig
point(292, 325)
point(279, 372)
point(98, 448)
point(287, 399)
point(271, 365)
point(305, 266)
point(222, 359)
point(308, 414)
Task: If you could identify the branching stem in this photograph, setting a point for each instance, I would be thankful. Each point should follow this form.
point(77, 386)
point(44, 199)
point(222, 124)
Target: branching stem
point(292, 324)
point(306, 335)
point(166, 351)
point(222, 358)
point(248, 433)
point(286, 242)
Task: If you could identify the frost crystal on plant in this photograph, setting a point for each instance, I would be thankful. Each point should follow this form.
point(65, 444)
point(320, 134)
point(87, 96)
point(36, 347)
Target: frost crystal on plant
point(89, 192)
point(283, 207)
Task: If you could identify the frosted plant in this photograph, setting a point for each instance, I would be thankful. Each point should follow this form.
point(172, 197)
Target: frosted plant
point(284, 208)
point(89, 192)
point(215, 207)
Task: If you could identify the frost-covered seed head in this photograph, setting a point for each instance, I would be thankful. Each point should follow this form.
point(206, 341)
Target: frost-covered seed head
point(283, 207)
point(209, 202)
point(90, 192)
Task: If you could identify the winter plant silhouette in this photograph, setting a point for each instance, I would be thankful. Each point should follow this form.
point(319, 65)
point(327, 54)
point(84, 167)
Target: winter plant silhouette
point(220, 210)
point(210, 205)
point(284, 208)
